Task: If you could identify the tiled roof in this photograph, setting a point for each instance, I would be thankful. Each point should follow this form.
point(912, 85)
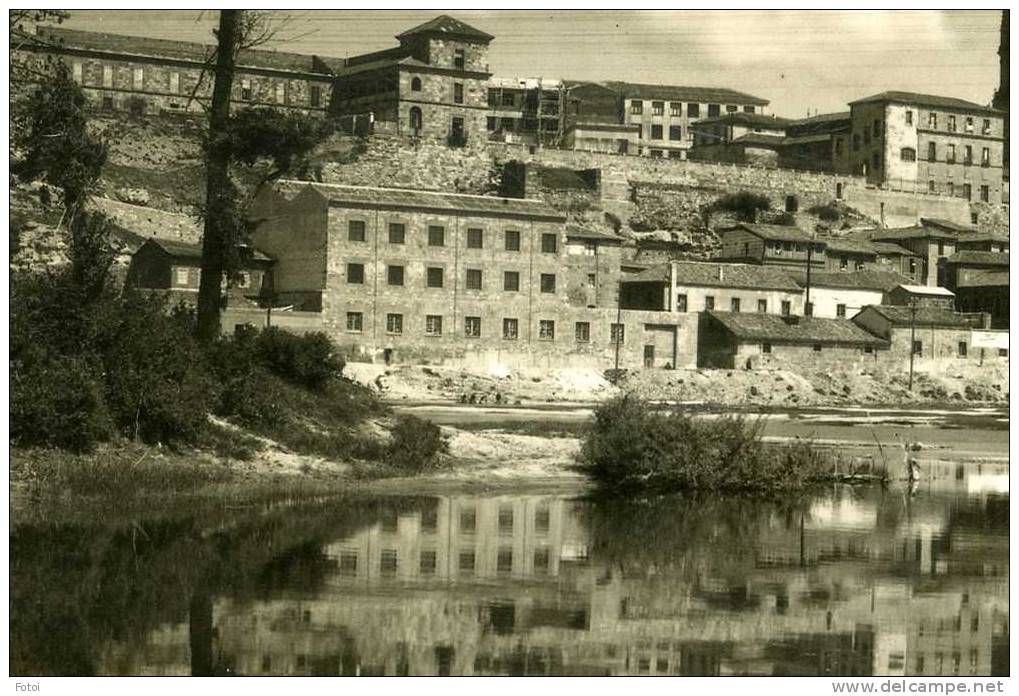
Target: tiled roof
point(781, 233)
point(867, 279)
point(586, 233)
point(946, 225)
point(768, 139)
point(450, 26)
point(924, 100)
point(821, 124)
point(414, 199)
point(719, 275)
point(180, 50)
point(864, 246)
point(748, 326)
point(914, 232)
point(925, 316)
point(385, 62)
point(979, 258)
point(741, 118)
point(837, 117)
point(704, 95)
point(194, 251)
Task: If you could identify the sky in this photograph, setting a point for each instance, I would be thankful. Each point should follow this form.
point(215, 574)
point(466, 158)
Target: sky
point(801, 61)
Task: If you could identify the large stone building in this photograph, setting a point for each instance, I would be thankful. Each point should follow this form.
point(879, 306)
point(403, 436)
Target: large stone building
point(434, 85)
point(928, 144)
point(407, 275)
point(146, 75)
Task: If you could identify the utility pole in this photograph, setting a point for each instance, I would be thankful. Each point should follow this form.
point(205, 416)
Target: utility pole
point(807, 309)
point(912, 339)
point(619, 318)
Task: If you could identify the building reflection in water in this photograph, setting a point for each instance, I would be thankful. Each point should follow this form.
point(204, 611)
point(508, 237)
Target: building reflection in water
point(852, 584)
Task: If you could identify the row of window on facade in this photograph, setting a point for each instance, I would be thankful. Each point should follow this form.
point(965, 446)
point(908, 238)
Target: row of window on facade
point(427, 561)
point(435, 277)
point(658, 132)
point(433, 326)
point(693, 109)
point(736, 305)
point(951, 123)
point(475, 239)
point(962, 349)
point(281, 92)
point(526, 125)
point(959, 191)
point(908, 154)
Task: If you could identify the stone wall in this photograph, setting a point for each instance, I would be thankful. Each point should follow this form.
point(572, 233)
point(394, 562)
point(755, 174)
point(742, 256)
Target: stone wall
point(397, 163)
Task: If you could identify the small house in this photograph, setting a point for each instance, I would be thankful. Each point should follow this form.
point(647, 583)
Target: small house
point(840, 295)
point(729, 340)
point(922, 296)
point(773, 245)
point(176, 267)
point(930, 332)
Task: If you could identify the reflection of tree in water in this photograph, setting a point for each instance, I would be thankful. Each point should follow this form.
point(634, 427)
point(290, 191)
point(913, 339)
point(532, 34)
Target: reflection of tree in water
point(685, 536)
point(76, 588)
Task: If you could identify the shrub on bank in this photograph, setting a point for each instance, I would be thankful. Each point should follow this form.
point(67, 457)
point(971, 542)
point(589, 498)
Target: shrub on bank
point(416, 445)
point(630, 445)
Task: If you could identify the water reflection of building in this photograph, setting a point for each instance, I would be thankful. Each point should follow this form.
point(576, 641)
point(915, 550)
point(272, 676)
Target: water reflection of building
point(862, 584)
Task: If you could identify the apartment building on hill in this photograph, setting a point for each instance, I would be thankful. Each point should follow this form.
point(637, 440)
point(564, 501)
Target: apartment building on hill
point(929, 144)
point(145, 75)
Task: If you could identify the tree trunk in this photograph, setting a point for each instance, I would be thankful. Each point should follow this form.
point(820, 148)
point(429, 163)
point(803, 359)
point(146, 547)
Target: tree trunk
point(218, 190)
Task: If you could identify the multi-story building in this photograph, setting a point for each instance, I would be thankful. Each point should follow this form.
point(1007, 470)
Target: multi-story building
point(433, 86)
point(408, 275)
point(928, 144)
point(145, 75)
point(665, 114)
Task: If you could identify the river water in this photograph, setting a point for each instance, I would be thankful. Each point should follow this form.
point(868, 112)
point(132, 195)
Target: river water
point(845, 582)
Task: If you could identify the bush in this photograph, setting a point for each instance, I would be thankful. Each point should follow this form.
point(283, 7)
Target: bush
point(631, 446)
point(827, 212)
point(57, 401)
point(743, 205)
point(416, 444)
point(310, 359)
point(158, 388)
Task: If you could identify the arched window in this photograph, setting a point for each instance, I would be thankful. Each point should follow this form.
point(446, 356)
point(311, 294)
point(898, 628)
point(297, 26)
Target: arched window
point(908, 154)
point(415, 118)
point(415, 84)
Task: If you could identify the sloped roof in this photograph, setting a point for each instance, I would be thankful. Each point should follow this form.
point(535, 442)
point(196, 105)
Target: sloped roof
point(867, 279)
point(719, 275)
point(183, 250)
point(928, 290)
point(913, 232)
point(979, 258)
point(587, 233)
point(384, 62)
point(924, 100)
point(448, 26)
point(414, 199)
point(946, 225)
point(781, 233)
point(180, 50)
point(741, 118)
point(708, 95)
point(768, 139)
point(925, 316)
point(822, 122)
point(760, 327)
point(864, 246)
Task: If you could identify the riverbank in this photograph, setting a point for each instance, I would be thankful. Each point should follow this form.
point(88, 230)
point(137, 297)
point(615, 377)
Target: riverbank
point(876, 386)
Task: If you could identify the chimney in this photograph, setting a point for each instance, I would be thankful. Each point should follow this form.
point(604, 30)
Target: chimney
point(721, 273)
